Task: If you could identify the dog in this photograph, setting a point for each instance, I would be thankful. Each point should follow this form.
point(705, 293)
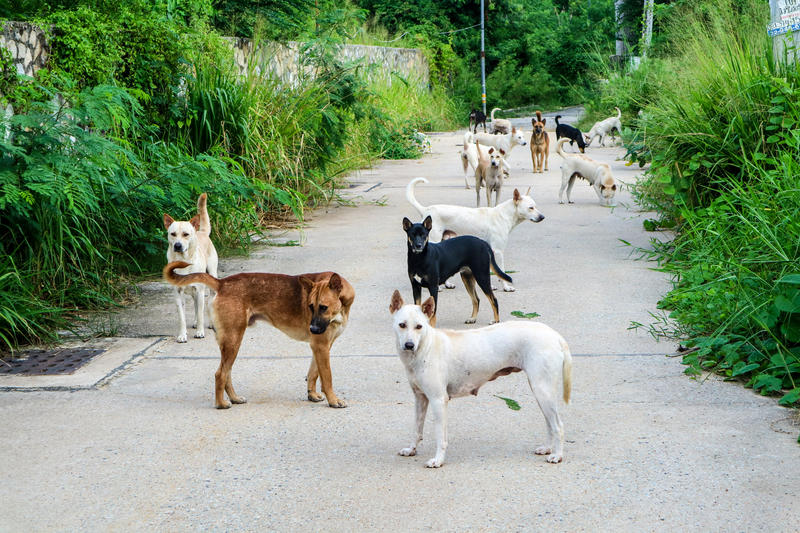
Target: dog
point(190, 241)
point(470, 159)
point(492, 224)
point(540, 144)
point(504, 142)
point(443, 364)
point(476, 116)
point(571, 133)
point(580, 166)
point(430, 264)
point(500, 125)
point(489, 171)
point(603, 128)
point(312, 308)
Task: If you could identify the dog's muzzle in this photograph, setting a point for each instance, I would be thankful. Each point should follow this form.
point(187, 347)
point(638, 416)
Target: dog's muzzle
point(409, 346)
point(178, 247)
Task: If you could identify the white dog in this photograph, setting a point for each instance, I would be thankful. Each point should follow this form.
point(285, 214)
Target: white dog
point(492, 224)
point(443, 364)
point(500, 125)
point(502, 142)
point(191, 242)
point(603, 128)
point(580, 166)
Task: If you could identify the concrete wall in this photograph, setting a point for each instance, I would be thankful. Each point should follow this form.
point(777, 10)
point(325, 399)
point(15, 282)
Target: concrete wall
point(29, 51)
point(27, 45)
point(285, 61)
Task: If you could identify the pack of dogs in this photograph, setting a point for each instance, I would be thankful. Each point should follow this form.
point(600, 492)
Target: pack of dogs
point(440, 364)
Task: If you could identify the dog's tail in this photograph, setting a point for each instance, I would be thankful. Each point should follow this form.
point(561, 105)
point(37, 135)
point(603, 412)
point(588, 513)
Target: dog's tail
point(202, 211)
point(496, 269)
point(559, 146)
point(539, 116)
point(557, 117)
point(182, 280)
point(619, 113)
point(566, 370)
point(493, 110)
point(410, 195)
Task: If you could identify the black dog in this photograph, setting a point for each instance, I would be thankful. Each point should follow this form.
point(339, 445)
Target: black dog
point(573, 134)
point(430, 264)
point(477, 116)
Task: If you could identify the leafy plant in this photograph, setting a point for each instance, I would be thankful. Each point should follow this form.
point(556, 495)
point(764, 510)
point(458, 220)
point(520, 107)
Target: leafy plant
point(511, 404)
point(521, 314)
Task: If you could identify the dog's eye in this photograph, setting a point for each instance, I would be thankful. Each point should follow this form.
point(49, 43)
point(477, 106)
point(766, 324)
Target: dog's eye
point(419, 326)
point(402, 325)
point(311, 307)
point(173, 234)
point(185, 234)
point(323, 308)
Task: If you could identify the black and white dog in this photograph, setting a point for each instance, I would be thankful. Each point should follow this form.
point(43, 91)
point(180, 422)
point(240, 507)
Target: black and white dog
point(476, 116)
point(430, 264)
point(573, 134)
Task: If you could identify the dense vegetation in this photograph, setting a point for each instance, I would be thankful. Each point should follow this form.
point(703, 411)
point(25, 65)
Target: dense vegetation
point(720, 131)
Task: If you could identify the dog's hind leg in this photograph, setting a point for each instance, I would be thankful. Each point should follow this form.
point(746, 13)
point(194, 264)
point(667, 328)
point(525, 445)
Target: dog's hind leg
point(572, 180)
point(182, 336)
point(229, 338)
point(420, 409)
point(469, 284)
point(499, 259)
point(321, 347)
point(485, 283)
point(544, 391)
point(311, 380)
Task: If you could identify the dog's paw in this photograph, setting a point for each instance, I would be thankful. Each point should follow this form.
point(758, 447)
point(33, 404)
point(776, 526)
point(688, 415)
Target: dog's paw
point(470, 320)
point(238, 399)
point(337, 404)
point(494, 287)
point(200, 334)
point(508, 288)
point(407, 452)
point(553, 458)
point(449, 285)
point(561, 202)
point(225, 405)
point(493, 322)
point(543, 450)
point(571, 202)
point(315, 396)
point(434, 463)
point(182, 338)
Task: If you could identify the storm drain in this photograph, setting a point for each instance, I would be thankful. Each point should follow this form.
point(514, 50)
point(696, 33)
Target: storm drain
point(49, 362)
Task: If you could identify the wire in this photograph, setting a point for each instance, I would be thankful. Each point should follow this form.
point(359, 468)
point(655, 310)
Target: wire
point(437, 33)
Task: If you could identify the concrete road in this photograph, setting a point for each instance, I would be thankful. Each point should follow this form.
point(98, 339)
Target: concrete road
point(141, 448)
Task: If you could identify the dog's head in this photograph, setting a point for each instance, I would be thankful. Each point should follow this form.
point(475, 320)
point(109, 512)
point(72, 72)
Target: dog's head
point(324, 302)
point(417, 234)
point(410, 322)
point(606, 184)
point(182, 235)
point(526, 208)
point(496, 157)
point(538, 123)
point(517, 137)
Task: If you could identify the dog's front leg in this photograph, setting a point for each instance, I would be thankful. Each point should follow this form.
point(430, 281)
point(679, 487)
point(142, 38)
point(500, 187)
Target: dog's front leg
point(439, 419)
point(199, 311)
point(321, 347)
point(416, 289)
point(182, 337)
point(421, 409)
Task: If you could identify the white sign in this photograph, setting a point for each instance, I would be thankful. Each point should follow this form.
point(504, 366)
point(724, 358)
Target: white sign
point(785, 17)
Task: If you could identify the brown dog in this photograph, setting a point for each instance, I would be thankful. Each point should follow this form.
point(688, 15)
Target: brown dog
point(540, 144)
point(312, 308)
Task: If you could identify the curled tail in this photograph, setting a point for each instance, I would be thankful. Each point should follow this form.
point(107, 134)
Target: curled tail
point(496, 269)
point(493, 110)
point(557, 117)
point(202, 211)
point(539, 116)
point(619, 113)
point(410, 195)
point(559, 144)
point(182, 280)
point(566, 370)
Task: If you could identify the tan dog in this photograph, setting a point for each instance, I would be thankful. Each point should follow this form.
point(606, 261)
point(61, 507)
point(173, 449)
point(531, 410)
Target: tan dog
point(489, 171)
point(540, 144)
point(312, 308)
point(190, 241)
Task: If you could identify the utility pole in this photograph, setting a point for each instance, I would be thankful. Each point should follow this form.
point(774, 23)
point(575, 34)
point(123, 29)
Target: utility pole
point(483, 63)
point(647, 31)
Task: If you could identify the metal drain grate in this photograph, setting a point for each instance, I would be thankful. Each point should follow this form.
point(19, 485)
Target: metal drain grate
point(49, 362)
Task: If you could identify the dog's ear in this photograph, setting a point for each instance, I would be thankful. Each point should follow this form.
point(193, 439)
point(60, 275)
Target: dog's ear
point(406, 224)
point(533, 121)
point(502, 152)
point(195, 222)
point(491, 150)
point(168, 220)
point(543, 121)
point(614, 187)
point(516, 196)
point(513, 129)
point(429, 307)
point(396, 302)
point(306, 283)
point(335, 283)
point(528, 192)
point(428, 222)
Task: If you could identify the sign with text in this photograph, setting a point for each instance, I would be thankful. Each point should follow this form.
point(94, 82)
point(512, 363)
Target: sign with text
point(785, 17)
